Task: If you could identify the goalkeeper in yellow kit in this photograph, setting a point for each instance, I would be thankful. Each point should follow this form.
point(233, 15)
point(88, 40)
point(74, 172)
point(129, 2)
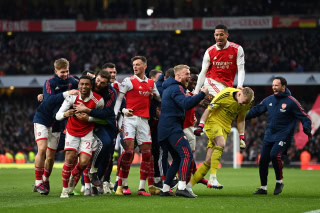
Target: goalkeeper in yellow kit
point(228, 105)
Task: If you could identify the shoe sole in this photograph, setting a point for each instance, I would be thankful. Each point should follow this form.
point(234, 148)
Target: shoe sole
point(215, 187)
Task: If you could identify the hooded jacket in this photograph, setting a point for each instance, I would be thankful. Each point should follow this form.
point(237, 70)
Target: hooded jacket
point(283, 113)
point(53, 98)
point(173, 108)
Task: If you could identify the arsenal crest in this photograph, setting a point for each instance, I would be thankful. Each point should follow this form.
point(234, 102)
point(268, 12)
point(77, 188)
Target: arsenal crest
point(230, 56)
point(283, 107)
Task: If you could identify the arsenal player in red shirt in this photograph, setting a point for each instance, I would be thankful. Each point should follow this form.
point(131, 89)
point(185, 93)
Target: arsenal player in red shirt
point(221, 62)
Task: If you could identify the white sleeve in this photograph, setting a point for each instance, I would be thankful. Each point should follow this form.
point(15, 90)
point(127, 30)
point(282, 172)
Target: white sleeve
point(204, 69)
point(156, 92)
point(65, 94)
point(93, 119)
point(67, 103)
point(100, 104)
point(240, 63)
point(125, 86)
point(241, 75)
point(240, 56)
point(118, 103)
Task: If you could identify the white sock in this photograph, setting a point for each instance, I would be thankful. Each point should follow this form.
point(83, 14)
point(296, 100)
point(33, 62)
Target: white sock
point(212, 176)
point(189, 185)
point(142, 184)
point(38, 182)
point(278, 181)
point(157, 179)
point(93, 170)
point(182, 185)
point(87, 185)
point(165, 188)
point(263, 187)
point(124, 181)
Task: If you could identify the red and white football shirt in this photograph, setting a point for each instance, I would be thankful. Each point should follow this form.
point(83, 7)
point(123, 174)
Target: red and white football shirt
point(76, 127)
point(138, 93)
point(223, 62)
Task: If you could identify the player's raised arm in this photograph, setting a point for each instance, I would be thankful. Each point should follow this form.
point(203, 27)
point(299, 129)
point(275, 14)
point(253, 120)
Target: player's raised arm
point(202, 75)
point(240, 64)
point(64, 111)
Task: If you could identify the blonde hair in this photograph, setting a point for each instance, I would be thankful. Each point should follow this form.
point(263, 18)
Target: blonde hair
point(61, 63)
point(180, 67)
point(248, 92)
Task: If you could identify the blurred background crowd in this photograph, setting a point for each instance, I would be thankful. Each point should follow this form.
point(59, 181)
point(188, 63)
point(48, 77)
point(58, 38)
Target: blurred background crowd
point(265, 51)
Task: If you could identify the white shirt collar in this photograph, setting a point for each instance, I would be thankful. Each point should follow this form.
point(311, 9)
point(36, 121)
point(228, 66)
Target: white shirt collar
point(87, 98)
point(225, 47)
point(142, 80)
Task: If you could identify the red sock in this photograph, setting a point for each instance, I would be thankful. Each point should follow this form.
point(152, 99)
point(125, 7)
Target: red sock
point(76, 173)
point(66, 172)
point(47, 173)
point(38, 171)
point(151, 173)
point(120, 178)
point(86, 176)
point(145, 164)
point(126, 163)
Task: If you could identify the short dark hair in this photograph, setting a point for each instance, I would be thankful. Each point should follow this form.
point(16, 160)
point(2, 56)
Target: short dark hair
point(104, 74)
point(194, 70)
point(108, 65)
point(85, 77)
point(282, 80)
point(87, 71)
point(142, 58)
point(222, 27)
point(170, 73)
point(153, 73)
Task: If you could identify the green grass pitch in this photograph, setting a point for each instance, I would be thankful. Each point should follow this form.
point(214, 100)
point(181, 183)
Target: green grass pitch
point(301, 193)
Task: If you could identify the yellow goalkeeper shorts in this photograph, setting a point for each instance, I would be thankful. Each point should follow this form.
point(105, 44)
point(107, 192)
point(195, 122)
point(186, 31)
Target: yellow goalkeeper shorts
point(214, 130)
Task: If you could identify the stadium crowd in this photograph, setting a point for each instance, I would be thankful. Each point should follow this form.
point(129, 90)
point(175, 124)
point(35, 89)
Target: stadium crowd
point(16, 129)
point(265, 51)
point(99, 9)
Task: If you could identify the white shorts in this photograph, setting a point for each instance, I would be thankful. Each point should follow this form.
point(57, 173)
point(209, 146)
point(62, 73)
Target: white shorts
point(41, 132)
point(96, 143)
point(80, 144)
point(213, 86)
point(136, 127)
point(190, 137)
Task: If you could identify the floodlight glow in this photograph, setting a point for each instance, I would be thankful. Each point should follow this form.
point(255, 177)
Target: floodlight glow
point(149, 11)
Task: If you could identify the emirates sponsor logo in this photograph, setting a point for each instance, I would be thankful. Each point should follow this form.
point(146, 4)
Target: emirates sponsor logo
point(111, 26)
point(222, 64)
point(145, 93)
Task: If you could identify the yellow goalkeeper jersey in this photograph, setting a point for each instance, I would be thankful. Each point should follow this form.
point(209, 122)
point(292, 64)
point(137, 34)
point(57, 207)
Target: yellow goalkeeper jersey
point(224, 108)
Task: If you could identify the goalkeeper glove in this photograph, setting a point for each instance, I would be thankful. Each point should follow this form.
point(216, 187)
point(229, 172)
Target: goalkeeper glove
point(242, 142)
point(199, 130)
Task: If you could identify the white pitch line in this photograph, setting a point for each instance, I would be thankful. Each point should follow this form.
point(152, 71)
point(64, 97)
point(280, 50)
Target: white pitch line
point(313, 211)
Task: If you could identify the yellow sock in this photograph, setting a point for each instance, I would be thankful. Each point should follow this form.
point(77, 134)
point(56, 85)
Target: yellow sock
point(200, 173)
point(215, 159)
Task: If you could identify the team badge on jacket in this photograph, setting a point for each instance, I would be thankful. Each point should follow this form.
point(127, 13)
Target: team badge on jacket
point(230, 57)
point(283, 107)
